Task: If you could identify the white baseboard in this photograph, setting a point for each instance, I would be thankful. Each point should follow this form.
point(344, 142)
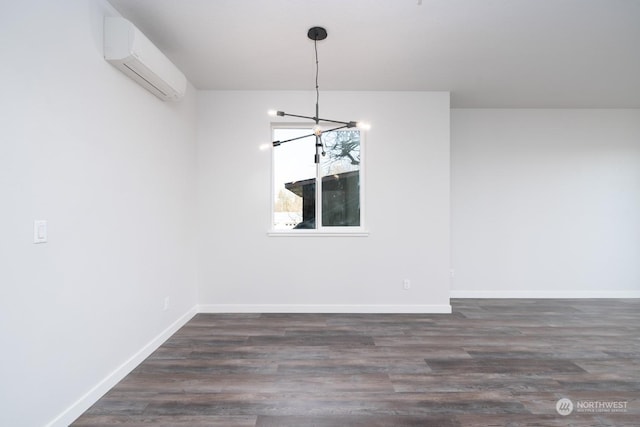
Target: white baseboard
point(544, 294)
point(322, 308)
point(100, 389)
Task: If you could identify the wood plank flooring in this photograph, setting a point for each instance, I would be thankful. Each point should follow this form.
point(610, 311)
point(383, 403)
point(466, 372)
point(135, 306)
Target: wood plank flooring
point(490, 363)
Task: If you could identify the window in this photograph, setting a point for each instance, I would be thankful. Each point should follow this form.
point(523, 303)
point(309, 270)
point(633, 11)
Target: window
point(330, 190)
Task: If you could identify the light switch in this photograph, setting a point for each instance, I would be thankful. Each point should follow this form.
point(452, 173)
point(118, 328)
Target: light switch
point(39, 231)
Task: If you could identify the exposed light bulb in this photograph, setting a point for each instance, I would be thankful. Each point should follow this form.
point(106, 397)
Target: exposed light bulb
point(317, 130)
point(264, 147)
point(363, 126)
point(272, 113)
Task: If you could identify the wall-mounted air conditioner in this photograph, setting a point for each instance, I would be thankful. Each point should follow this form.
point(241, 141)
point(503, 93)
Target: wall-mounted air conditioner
point(134, 54)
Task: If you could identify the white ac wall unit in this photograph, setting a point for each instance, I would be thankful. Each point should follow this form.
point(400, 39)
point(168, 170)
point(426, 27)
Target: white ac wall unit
point(134, 54)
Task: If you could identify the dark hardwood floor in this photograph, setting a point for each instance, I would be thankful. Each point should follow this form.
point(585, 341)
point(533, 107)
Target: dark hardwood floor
point(490, 363)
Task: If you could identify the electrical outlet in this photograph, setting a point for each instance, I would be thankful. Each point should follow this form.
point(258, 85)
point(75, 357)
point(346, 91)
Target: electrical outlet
point(406, 284)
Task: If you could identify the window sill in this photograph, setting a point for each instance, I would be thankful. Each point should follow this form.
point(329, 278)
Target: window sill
point(307, 233)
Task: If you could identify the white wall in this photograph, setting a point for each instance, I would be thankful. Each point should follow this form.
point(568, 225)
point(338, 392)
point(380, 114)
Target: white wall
point(407, 208)
point(112, 169)
point(545, 203)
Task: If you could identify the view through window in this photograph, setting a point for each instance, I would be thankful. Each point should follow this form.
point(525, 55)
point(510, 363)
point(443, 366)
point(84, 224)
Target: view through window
point(296, 201)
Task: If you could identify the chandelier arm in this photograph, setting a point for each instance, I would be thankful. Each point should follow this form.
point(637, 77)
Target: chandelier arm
point(318, 119)
point(349, 124)
point(277, 143)
point(338, 128)
point(298, 116)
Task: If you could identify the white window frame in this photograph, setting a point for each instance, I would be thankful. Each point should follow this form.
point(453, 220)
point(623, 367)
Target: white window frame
point(320, 230)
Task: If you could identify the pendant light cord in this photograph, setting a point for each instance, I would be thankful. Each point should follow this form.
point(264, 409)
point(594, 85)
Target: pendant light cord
point(318, 138)
point(315, 45)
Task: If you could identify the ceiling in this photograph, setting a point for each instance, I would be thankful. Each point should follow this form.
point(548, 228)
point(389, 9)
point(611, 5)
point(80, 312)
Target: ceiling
point(488, 53)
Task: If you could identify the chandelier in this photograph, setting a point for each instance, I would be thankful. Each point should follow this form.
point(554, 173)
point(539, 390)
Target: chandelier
point(315, 34)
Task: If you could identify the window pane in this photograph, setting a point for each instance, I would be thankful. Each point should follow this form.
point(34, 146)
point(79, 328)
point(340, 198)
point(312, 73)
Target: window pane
point(294, 175)
point(341, 179)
